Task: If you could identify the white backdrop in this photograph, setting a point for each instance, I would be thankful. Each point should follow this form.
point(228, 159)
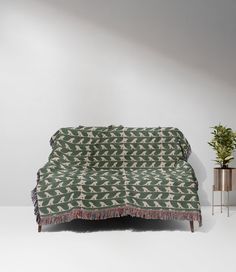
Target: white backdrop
point(129, 62)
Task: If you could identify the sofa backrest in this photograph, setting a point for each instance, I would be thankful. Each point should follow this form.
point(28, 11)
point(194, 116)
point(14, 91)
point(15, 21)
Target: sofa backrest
point(118, 147)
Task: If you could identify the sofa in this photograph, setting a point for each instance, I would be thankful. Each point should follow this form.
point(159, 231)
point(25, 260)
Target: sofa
point(96, 173)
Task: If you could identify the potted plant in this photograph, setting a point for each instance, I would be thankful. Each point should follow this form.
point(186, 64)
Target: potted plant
point(224, 144)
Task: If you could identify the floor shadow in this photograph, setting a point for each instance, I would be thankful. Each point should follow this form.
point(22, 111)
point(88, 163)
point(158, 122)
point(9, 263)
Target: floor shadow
point(125, 223)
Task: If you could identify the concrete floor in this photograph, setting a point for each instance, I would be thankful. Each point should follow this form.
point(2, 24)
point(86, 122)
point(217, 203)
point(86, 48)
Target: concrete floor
point(122, 244)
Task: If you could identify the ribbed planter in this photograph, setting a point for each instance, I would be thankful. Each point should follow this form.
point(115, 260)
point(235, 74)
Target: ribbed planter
point(223, 178)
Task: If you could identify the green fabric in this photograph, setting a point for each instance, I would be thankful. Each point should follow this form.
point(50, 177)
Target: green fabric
point(95, 168)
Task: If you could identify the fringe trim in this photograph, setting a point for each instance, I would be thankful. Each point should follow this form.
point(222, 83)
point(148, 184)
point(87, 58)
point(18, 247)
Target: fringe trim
point(117, 212)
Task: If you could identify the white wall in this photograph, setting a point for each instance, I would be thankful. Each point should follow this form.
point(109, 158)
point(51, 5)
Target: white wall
point(135, 63)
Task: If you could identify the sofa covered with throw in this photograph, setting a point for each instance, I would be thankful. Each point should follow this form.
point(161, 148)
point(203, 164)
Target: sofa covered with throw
point(103, 172)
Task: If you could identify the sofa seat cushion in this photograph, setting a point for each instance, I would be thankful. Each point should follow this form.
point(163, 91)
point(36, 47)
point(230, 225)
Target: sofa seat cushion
point(96, 194)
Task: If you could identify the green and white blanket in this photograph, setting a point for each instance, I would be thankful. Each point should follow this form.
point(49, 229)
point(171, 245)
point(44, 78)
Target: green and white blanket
point(103, 172)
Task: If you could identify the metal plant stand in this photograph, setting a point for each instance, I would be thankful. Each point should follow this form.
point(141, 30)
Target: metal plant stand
point(221, 202)
point(224, 181)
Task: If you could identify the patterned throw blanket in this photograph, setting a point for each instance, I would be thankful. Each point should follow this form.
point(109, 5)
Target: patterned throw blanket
point(103, 172)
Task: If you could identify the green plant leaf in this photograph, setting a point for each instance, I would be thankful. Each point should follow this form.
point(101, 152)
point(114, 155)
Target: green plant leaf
point(223, 143)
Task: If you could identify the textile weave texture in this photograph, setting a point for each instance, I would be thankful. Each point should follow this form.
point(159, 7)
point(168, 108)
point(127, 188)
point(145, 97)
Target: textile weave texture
point(104, 172)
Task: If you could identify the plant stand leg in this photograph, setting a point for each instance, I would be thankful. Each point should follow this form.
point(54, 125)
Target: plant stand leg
point(228, 203)
point(221, 201)
point(39, 228)
point(191, 226)
point(213, 200)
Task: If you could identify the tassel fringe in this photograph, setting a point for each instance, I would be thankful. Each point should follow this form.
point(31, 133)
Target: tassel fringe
point(100, 214)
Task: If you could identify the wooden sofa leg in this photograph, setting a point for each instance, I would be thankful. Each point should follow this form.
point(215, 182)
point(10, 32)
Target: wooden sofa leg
point(191, 226)
point(39, 228)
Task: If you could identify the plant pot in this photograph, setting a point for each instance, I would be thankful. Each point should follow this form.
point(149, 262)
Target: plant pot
point(223, 179)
